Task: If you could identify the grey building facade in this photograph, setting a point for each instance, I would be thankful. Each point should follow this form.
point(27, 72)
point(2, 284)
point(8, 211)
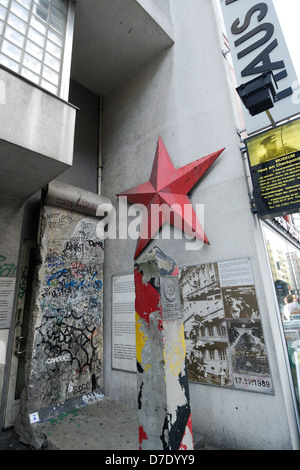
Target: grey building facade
point(86, 90)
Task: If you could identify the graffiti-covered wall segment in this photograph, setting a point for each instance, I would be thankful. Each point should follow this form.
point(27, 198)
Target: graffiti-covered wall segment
point(68, 334)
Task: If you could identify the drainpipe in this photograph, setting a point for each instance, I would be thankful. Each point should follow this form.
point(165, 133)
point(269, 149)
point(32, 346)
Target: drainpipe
point(100, 146)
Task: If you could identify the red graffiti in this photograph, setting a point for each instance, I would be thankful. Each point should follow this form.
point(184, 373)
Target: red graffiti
point(78, 269)
point(147, 298)
point(175, 273)
point(188, 427)
point(142, 436)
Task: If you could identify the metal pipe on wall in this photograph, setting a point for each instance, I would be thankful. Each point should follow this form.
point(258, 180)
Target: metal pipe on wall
point(100, 151)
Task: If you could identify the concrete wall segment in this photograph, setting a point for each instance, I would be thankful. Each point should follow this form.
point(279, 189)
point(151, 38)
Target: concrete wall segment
point(45, 124)
point(66, 334)
point(42, 147)
point(163, 396)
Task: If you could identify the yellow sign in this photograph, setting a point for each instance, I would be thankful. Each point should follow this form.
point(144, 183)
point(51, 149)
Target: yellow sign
point(274, 158)
point(274, 143)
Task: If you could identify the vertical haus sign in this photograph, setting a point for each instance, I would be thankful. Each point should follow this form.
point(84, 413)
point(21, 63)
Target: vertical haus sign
point(257, 45)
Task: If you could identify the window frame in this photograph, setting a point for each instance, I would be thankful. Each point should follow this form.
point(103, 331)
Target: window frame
point(59, 88)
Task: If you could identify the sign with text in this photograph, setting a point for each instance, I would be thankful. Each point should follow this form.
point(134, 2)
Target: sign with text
point(170, 298)
point(123, 323)
point(224, 337)
point(257, 45)
point(7, 290)
point(274, 158)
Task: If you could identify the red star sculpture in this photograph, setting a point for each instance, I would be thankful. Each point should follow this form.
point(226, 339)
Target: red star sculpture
point(167, 189)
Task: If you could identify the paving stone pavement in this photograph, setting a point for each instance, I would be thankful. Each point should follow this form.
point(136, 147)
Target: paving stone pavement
point(105, 425)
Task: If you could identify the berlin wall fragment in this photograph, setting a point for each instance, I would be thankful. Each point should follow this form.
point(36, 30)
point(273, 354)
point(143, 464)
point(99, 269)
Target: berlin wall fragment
point(164, 412)
point(67, 327)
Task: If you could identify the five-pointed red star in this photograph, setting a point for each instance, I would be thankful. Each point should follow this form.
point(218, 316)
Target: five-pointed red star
point(168, 188)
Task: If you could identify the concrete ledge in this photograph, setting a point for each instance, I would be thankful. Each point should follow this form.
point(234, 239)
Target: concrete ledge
point(36, 136)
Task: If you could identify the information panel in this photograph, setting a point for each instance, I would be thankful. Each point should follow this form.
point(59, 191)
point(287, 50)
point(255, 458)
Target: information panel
point(7, 289)
point(223, 332)
point(123, 323)
point(274, 159)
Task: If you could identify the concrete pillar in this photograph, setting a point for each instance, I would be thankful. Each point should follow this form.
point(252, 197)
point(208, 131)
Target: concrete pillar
point(163, 395)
